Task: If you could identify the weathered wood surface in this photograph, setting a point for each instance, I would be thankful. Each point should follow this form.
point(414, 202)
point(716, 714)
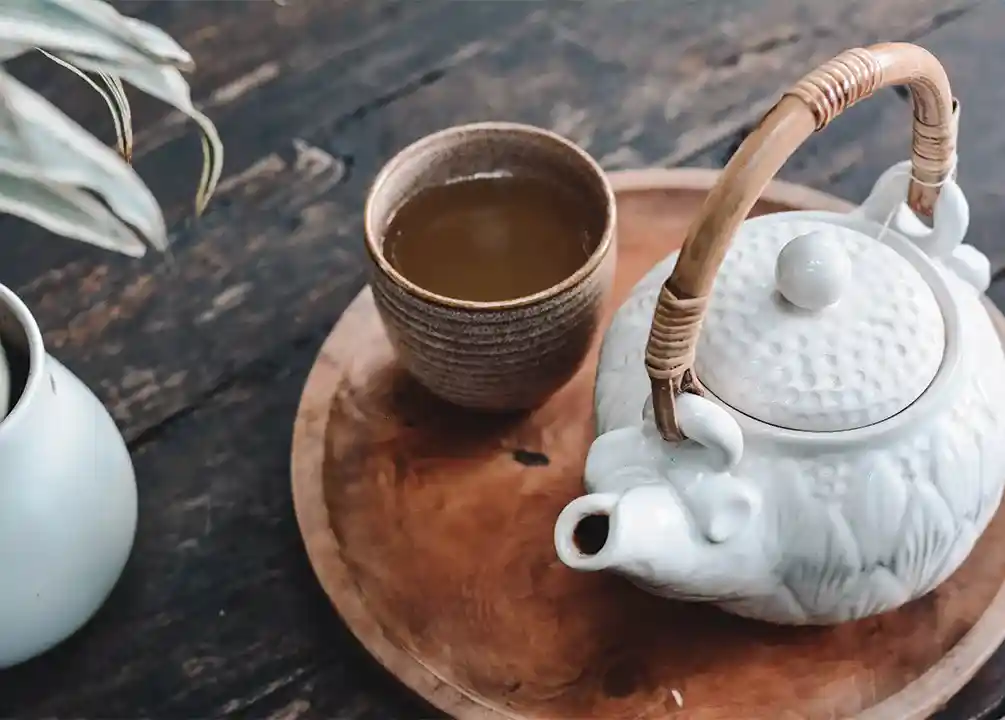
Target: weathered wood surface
point(201, 356)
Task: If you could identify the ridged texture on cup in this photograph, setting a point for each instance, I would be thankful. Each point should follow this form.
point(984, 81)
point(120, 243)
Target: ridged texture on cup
point(493, 356)
point(495, 359)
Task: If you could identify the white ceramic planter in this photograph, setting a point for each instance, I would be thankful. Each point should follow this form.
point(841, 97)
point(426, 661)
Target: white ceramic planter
point(67, 496)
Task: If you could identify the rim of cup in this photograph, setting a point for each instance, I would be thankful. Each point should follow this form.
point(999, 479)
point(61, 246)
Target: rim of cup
point(386, 174)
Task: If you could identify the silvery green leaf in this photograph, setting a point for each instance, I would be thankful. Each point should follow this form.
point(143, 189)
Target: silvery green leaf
point(168, 85)
point(118, 91)
point(112, 92)
point(151, 40)
point(60, 151)
point(67, 211)
point(11, 141)
point(10, 50)
point(87, 27)
point(34, 23)
point(157, 43)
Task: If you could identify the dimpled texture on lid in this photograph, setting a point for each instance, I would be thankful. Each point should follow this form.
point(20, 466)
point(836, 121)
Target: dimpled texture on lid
point(854, 363)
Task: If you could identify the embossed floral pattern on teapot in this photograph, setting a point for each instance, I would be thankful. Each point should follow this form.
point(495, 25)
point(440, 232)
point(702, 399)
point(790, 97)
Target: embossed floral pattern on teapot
point(801, 416)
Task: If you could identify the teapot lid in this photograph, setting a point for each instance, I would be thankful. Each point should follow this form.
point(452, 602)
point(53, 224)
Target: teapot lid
point(816, 326)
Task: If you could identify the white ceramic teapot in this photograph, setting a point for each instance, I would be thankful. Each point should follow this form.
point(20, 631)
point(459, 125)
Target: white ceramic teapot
point(820, 435)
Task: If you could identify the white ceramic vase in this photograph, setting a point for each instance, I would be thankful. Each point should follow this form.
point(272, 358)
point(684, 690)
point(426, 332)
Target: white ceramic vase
point(67, 496)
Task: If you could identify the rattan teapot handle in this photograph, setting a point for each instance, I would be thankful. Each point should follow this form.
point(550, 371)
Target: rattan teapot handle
point(805, 108)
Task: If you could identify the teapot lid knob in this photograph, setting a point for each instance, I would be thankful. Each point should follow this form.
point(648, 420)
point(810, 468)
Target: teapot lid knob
point(813, 270)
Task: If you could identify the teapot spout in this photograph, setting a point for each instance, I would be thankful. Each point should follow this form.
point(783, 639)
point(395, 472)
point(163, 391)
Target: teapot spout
point(583, 537)
point(709, 550)
point(634, 534)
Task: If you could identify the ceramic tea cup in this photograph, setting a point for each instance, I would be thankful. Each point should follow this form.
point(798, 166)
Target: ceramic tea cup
point(500, 355)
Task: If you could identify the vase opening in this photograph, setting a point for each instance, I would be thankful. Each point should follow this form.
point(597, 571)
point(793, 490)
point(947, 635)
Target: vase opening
point(21, 341)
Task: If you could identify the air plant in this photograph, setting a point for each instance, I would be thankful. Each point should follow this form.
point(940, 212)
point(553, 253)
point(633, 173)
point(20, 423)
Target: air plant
point(56, 174)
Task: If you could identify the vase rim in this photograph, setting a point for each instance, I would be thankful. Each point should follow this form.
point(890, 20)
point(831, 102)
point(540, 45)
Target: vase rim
point(10, 302)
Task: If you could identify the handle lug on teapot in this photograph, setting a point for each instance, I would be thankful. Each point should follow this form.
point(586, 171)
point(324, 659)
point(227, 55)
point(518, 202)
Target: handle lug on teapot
point(887, 205)
point(708, 424)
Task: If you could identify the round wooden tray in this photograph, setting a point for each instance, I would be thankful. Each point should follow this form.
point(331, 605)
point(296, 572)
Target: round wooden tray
point(430, 528)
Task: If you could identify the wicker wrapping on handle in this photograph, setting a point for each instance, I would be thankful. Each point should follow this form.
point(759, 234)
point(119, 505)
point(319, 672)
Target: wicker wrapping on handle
point(807, 107)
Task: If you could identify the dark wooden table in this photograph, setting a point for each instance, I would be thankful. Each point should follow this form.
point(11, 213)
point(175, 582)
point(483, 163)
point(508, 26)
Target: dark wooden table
point(201, 356)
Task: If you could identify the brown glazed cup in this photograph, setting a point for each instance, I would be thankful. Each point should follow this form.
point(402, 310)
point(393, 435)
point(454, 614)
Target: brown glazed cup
point(506, 355)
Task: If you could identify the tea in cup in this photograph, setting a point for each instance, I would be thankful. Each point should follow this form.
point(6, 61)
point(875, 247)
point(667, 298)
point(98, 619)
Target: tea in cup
point(493, 248)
